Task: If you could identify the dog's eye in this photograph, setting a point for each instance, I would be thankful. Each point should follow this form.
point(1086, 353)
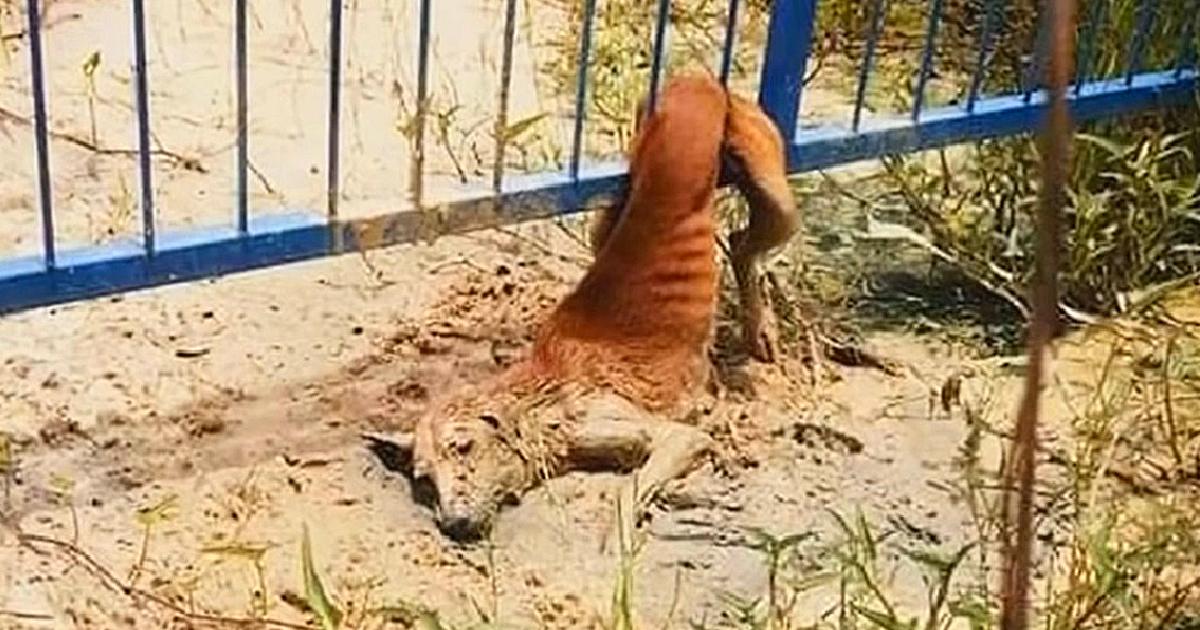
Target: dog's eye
point(491, 420)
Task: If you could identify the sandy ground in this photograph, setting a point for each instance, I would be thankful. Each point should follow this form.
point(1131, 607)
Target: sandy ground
point(239, 400)
point(243, 397)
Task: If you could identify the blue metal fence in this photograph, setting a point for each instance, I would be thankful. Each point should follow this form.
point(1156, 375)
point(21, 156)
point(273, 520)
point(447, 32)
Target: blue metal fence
point(256, 242)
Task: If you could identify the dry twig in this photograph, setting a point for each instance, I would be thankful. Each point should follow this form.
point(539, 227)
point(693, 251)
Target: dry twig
point(38, 543)
point(1019, 472)
point(185, 162)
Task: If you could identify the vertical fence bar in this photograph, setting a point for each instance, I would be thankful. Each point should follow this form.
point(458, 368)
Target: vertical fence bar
point(985, 42)
point(1145, 20)
point(334, 124)
point(1087, 50)
point(243, 157)
point(662, 22)
point(585, 51)
point(789, 41)
point(1188, 40)
point(730, 40)
point(142, 96)
point(41, 132)
point(510, 29)
point(418, 164)
point(878, 11)
point(935, 18)
point(1034, 73)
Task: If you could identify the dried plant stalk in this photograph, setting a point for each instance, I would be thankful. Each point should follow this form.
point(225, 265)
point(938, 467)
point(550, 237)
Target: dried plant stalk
point(1019, 472)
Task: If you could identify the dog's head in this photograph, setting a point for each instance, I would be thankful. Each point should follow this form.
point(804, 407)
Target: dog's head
point(464, 460)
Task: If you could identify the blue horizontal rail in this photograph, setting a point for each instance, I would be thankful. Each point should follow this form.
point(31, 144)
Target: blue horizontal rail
point(998, 116)
point(272, 241)
point(155, 259)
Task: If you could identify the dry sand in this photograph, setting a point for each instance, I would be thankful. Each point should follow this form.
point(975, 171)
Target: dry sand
point(257, 435)
point(241, 399)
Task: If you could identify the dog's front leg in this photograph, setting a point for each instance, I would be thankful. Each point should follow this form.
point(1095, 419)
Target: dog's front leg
point(656, 451)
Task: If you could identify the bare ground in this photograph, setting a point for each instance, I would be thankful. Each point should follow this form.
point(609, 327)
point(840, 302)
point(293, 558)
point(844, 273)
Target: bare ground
point(241, 401)
point(268, 442)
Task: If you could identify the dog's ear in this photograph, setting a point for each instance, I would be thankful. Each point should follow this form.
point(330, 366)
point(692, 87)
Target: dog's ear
point(395, 451)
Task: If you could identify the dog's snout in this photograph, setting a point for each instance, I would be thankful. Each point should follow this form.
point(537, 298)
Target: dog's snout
point(460, 528)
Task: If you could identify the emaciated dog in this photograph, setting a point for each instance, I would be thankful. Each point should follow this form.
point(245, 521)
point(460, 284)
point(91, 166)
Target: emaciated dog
point(626, 350)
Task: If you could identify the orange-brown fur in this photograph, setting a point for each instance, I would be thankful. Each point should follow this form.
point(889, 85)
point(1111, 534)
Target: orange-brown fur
point(639, 320)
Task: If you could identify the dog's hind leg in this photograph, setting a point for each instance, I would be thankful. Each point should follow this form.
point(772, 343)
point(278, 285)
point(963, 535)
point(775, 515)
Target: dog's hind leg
point(755, 158)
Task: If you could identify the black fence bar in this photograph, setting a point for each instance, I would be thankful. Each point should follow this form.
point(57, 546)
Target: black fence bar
point(334, 123)
point(1033, 74)
point(1145, 20)
point(37, 73)
point(661, 24)
point(985, 44)
point(1097, 15)
point(418, 163)
point(1187, 40)
point(142, 95)
point(243, 156)
point(510, 30)
point(585, 52)
point(935, 18)
point(731, 21)
point(878, 13)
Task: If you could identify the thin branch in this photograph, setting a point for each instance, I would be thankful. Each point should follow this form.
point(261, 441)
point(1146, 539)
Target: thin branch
point(1173, 433)
point(46, 25)
point(14, 614)
point(77, 554)
point(185, 162)
point(262, 179)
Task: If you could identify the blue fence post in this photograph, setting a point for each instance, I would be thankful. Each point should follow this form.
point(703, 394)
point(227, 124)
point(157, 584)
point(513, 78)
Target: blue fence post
point(789, 41)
